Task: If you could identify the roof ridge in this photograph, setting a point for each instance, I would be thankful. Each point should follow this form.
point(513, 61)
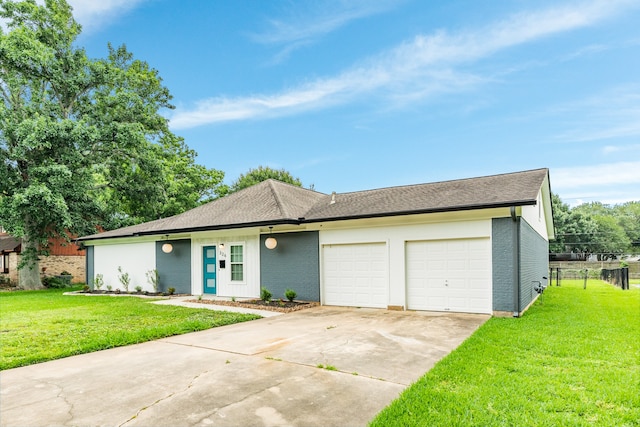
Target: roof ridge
point(278, 199)
point(472, 178)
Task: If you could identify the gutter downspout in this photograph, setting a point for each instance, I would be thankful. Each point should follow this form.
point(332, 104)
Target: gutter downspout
point(516, 262)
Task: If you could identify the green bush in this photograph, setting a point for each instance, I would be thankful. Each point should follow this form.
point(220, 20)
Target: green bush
point(53, 282)
point(98, 282)
point(124, 278)
point(265, 295)
point(290, 294)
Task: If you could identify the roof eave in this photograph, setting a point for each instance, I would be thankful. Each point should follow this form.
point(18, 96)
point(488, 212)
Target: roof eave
point(195, 229)
point(298, 221)
point(423, 211)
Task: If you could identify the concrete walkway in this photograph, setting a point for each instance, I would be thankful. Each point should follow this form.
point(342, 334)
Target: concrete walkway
point(324, 366)
point(182, 302)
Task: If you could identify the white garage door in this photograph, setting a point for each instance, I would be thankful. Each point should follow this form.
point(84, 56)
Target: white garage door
point(449, 275)
point(355, 275)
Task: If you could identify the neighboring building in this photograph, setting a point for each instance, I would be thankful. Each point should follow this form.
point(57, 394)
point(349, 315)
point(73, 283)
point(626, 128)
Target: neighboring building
point(9, 251)
point(475, 245)
point(63, 256)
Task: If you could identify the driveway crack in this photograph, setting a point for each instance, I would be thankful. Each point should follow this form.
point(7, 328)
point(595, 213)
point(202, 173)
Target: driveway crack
point(61, 395)
point(248, 396)
point(162, 399)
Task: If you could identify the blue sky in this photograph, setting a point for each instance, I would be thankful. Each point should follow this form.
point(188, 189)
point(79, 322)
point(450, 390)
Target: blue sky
point(361, 94)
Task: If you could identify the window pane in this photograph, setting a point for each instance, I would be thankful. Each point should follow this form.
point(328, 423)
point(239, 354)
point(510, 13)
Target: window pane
point(211, 268)
point(236, 253)
point(237, 272)
point(211, 253)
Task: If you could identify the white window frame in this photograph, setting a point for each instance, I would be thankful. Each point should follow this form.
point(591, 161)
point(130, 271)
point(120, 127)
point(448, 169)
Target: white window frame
point(243, 263)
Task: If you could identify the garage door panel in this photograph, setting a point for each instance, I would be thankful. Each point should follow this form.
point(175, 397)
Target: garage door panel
point(455, 283)
point(456, 275)
point(361, 279)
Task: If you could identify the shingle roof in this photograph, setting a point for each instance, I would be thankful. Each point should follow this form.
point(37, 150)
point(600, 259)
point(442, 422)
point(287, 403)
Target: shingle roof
point(9, 243)
point(273, 202)
point(268, 202)
point(519, 188)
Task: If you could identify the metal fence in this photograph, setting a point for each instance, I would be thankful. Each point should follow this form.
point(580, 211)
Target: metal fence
point(617, 276)
point(557, 274)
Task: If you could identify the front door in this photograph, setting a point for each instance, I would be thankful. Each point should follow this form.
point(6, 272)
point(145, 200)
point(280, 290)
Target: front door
point(209, 269)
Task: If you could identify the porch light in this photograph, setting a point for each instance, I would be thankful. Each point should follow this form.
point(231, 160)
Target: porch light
point(167, 248)
point(271, 243)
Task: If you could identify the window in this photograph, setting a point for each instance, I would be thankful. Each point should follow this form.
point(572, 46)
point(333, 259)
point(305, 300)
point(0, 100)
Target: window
point(4, 263)
point(237, 263)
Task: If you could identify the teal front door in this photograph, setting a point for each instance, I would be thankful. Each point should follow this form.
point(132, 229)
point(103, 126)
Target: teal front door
point(209, 269)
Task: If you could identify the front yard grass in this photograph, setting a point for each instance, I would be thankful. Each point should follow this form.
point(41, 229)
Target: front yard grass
point(36, 326)
point(573, 359)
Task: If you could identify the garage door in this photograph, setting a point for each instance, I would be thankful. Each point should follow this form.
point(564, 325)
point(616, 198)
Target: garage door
point(449, 275)
point(355, 275)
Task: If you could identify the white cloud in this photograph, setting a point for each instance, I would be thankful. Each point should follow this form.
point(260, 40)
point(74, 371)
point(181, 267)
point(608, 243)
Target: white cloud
point(609, 115)
point(607, 174)
point(308, 21)
point(92, 14)
point(412, 71)
point(611, 149)
point(609, 183)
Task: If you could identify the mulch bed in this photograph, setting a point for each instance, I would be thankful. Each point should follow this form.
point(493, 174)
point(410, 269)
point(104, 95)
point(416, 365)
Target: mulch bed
point(134, 293)
point(257, 304)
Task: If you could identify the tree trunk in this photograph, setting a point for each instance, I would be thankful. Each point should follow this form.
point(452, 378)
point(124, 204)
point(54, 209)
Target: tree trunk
point(29, 272)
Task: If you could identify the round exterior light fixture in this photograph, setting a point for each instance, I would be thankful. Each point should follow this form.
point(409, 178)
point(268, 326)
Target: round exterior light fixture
point(271, 243)
point(167, 248)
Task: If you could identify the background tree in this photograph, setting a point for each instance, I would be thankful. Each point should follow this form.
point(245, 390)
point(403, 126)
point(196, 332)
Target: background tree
point(82, 142)
point(573, 228)
point(596, 228)
point(628, 217)
point(261, 173)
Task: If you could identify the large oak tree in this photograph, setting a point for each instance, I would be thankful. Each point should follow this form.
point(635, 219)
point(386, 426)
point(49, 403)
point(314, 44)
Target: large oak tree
point(82, 141)
point(257, 175)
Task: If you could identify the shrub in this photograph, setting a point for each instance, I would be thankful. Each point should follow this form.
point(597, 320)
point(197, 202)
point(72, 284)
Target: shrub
point(54, 282)
point(98, 282)
point(171, 291)
point(124, 278)
point(290, 294)
point(138, 289)
point(153, 277)
point(109, 287)
point(265, 295)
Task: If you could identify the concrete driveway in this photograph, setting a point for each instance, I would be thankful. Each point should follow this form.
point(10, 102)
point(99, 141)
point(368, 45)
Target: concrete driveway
point(260, 373)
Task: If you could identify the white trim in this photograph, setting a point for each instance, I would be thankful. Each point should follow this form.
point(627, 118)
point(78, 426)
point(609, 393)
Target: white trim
point(243, 245)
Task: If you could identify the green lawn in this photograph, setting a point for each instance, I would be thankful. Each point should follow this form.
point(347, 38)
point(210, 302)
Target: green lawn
point(36, 326)
point(573, 359)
